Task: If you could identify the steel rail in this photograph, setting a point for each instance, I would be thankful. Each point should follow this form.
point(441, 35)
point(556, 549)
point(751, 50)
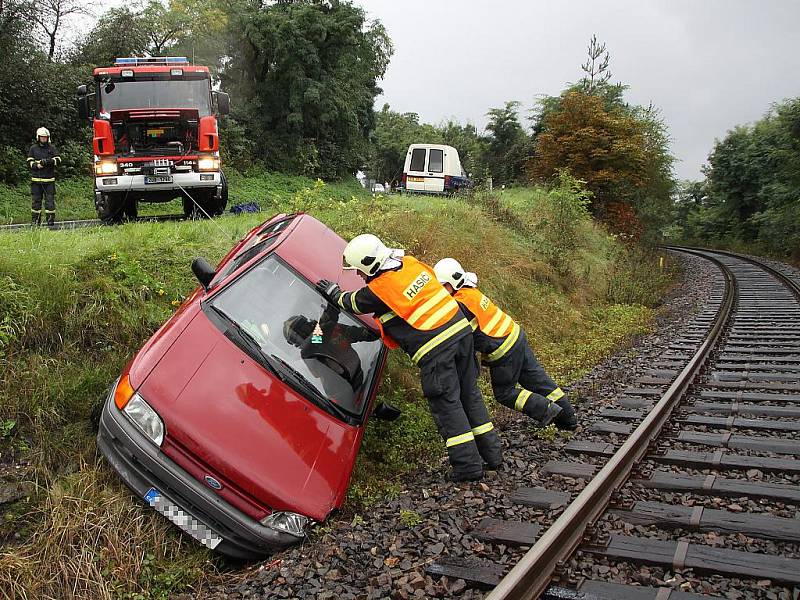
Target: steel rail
point(533, 574)
point(793, 286)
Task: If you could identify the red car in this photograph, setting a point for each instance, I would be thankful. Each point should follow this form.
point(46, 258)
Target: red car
point(241, 418)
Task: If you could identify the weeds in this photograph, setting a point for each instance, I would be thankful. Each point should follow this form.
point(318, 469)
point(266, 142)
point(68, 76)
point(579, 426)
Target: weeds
point(410, 518)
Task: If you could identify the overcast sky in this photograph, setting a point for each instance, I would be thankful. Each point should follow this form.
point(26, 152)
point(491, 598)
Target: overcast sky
point(707, 64)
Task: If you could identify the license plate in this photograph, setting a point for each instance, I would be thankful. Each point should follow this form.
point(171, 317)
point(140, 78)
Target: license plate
point(416, 179)
point(158, 178)
point(182, 519)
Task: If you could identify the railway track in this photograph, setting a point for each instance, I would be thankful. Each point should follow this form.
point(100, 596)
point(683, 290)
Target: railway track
point(82, 223)
point(695, 468)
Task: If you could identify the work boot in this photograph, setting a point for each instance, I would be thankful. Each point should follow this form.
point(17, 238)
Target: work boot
point(51, 218)
point(551, 412)
point(36, 218)
point(457, 476)
point(566, 419)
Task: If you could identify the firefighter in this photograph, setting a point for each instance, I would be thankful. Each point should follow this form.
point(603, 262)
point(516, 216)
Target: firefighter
point(518, 380)
point(42, 160)
point(414, 312)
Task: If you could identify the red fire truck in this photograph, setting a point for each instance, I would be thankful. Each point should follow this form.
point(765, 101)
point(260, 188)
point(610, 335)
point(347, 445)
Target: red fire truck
point(155, 136)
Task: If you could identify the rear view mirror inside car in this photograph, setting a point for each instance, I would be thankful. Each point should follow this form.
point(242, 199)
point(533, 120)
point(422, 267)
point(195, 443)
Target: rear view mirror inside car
point(386, 412)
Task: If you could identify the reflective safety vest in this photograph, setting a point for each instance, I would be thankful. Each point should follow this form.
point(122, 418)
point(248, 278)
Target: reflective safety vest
point(490, 320)
point(415, 295)
point(488, 317)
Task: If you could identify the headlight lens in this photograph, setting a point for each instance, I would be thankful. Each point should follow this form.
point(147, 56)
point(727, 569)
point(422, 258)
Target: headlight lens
point(105, 167)
point(288, 522)
point(145, 418)
point(208, 163)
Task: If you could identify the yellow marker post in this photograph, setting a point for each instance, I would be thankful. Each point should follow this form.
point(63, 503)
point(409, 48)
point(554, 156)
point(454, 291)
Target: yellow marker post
point(661, 262)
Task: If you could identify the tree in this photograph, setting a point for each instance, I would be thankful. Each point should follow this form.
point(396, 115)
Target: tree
point(52, 15)
point(119, 32)
point(621, 151)
point(596, 66)
point(508, 144)
point(305, 77)
point(753, 183)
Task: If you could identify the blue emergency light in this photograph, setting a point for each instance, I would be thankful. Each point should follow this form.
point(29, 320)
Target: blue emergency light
point(153, 60)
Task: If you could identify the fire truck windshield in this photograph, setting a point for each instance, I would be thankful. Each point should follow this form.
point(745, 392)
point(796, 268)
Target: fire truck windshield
point(124, 94)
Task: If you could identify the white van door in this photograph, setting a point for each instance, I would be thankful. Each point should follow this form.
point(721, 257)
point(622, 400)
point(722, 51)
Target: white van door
point(434, 177)
point(415, 176)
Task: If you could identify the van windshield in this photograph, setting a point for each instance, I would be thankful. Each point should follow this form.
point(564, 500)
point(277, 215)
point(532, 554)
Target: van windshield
point(435, 160)
point(417, 160)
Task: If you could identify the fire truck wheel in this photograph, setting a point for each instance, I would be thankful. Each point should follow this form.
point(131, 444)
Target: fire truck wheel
point(110, 208)
point(131, 209)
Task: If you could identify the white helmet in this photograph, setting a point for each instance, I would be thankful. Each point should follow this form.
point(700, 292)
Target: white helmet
point(449, 270)
point(43, 132)
point(365, 252)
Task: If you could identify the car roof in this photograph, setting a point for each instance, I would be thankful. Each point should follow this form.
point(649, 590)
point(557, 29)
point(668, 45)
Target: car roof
point(315, 250)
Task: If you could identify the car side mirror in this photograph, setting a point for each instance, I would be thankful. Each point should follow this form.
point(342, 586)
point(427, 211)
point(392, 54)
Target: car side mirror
point(386, 412)
point(203, 271)
point(223, 103)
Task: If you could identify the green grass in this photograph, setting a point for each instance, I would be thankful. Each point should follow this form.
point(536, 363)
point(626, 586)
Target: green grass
point(75, 197)
point(76, 305)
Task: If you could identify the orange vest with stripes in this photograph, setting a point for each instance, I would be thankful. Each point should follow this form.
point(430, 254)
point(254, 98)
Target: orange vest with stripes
point(491, 320)
point(415, 295)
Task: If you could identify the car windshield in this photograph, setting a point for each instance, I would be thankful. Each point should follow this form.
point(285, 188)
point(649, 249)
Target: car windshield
point(309, 342)
point(124, 94)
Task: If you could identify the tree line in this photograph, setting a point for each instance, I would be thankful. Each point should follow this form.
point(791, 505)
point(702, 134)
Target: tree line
point(750, 197)
point(619, 150)
point(303, 76)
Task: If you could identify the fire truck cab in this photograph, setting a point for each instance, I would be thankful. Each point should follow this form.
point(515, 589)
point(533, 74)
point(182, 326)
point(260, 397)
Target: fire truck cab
point(155, 136)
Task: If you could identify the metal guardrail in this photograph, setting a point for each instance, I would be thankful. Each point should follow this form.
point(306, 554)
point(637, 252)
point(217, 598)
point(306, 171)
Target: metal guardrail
point(533, 574)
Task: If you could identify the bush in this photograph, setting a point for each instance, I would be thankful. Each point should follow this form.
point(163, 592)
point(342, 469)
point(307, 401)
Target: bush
point(13, 168)
point(76, 160)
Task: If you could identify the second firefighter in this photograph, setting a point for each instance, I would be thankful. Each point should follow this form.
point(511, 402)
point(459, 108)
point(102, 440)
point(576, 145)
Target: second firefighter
point(518, 380)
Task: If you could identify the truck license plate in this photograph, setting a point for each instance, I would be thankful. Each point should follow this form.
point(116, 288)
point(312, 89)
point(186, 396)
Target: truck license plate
point(158, 178)
point(416, 179)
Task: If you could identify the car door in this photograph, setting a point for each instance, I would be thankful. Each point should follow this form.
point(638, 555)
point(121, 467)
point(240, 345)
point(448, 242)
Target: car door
point(434, 175)
point(415, 176)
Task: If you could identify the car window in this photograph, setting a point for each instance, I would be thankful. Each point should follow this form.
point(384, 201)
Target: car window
point(435, 160)
point(417, 160)
point(300, 330)
point(254, 246)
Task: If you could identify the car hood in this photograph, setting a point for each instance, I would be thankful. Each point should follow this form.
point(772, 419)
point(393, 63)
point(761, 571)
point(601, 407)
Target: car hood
point(227, 417)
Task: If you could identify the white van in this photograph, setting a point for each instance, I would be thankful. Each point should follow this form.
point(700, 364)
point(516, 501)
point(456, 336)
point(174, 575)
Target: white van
point(433, 169)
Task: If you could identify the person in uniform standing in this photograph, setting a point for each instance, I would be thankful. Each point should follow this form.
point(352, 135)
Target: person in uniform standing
point(43, 159)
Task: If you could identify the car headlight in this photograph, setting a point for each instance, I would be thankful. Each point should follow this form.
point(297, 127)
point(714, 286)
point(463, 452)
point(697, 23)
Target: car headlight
point(106, 167)
point(208, 163)
point(288, 522)
point(145, 418)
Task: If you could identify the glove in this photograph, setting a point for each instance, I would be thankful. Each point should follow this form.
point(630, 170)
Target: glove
point(39, 164)
point(328, 289)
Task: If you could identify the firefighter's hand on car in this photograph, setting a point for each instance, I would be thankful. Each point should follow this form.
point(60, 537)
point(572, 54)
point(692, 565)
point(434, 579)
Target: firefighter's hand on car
point(328, 288)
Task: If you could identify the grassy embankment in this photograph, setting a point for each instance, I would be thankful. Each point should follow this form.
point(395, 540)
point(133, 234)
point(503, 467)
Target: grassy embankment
point(75, 305)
